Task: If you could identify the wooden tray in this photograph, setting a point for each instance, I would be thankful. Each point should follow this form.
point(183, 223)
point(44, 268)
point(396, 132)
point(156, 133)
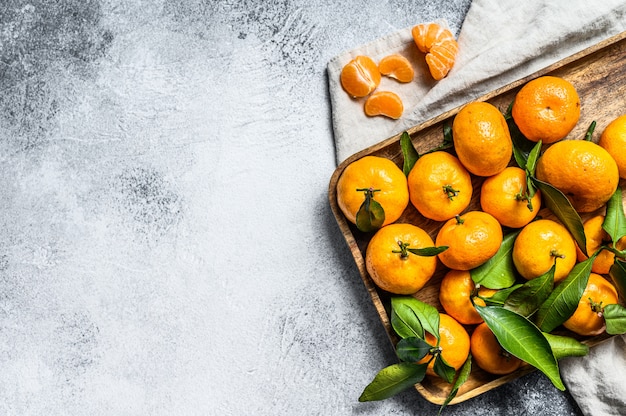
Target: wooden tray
point(599, 75)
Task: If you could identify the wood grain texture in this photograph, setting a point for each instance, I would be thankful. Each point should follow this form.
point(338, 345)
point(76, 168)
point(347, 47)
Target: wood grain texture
point(599, 75)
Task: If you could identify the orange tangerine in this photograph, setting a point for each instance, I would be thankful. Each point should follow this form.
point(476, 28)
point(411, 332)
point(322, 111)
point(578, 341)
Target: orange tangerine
point(546, 108)
point(504, 195)
point(455, 293)
point(384, 103)
point(385, 179)
point(489, 355)
point(439, 45)
point(360, 76)
point(398, 67)
point(439, 186)
point(587, 319)
point(613, 139)
point(597, 237)
point(471, 238)
point(392, 266)
point(454, 342)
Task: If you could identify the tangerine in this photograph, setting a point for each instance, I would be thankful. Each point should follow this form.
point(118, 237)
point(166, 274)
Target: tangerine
point(585, 172)
point(455, 293)
point(587, 319)
point(546, 108)
point(384, 103)
point(439, 186)
point(398, 67)
point(481, 139)
point(613, 140)
point(360, 76)
point(539, 244)
point(597, 237)
point(378, 175)
point(505, 196)
point(454, 344)
point(489, 355)
point(471, 238)
point(439, 45)
point(390, 263)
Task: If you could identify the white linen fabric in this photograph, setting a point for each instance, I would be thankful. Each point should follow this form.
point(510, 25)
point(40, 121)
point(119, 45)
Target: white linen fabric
point(500, 42)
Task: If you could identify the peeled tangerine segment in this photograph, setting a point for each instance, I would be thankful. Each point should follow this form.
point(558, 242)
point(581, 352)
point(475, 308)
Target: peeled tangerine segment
point(398, 67)
point(360, 76)
point(384, 103)
point(439, 45)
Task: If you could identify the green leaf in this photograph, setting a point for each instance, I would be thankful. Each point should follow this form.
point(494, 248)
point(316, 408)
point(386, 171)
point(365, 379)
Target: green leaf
point(618, 275)
point(443, 369)
point(408, 152)
point(527, 299)
point(615, 319)
point(564, 299)
point(521, 145)
point(461, 378)
point(427, 251)
point(563, 346)
point(412, 349)
point(533, 156)
point(500, 297)
point(560, 206)
point(405, 322)
point(523, 339)
point(615, 221)
point(590, 131)
point(393, 380)
point(499, 271)
point(371, 215)
point(427, 315)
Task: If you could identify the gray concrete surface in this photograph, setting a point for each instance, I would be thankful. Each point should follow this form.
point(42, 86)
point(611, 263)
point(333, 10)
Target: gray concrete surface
point(167, 246)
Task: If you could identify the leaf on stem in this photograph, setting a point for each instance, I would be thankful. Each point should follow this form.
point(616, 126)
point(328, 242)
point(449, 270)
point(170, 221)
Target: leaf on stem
point(527, 299)
point(411, 308)
point(460, 379)
point(523, 339)
point(409, 153)
point(564, 299)
point(615, 221)
point(618, 275)
point(499, 271)
point(443, 369)
point(371, 215)
point(563, 346)
point(392, 380)
point(412, 349)
point(615, 319)
point(558, 203)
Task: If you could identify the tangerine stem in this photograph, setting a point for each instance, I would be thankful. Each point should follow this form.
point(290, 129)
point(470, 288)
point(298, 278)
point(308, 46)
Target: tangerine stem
point(459, 220)
point(555, 253)
point(450, 191)
point(404, 253)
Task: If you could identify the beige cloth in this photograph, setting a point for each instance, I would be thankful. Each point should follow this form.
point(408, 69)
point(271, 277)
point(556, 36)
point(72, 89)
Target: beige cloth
point(500, 42)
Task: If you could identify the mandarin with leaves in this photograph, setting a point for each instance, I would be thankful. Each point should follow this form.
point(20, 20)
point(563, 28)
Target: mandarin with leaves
point(489, 355)
point(453, 344)
point(587, 319)
point(372, 178)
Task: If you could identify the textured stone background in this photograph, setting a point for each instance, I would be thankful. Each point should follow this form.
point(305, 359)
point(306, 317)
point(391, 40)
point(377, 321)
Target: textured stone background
point(167, 246)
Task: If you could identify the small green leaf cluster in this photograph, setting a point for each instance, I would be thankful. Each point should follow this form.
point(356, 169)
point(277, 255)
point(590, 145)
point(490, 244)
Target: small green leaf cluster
point(411, 319)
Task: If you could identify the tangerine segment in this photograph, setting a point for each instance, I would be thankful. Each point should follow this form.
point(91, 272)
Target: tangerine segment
point(392, 266)
point(613, 139)
point(384, 103)
point(546, 108)
point(439, 186)
point(439, 45)
point(587, 319)
point(489, 354)
point(360, 76)
point(379, 174)
point(398, 67)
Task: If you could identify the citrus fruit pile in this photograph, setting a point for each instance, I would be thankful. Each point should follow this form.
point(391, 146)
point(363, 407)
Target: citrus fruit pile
point(523, 280)
point(361, 76)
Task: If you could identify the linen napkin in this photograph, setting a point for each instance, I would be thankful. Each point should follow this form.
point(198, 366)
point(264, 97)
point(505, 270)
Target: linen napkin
point(500, 42)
